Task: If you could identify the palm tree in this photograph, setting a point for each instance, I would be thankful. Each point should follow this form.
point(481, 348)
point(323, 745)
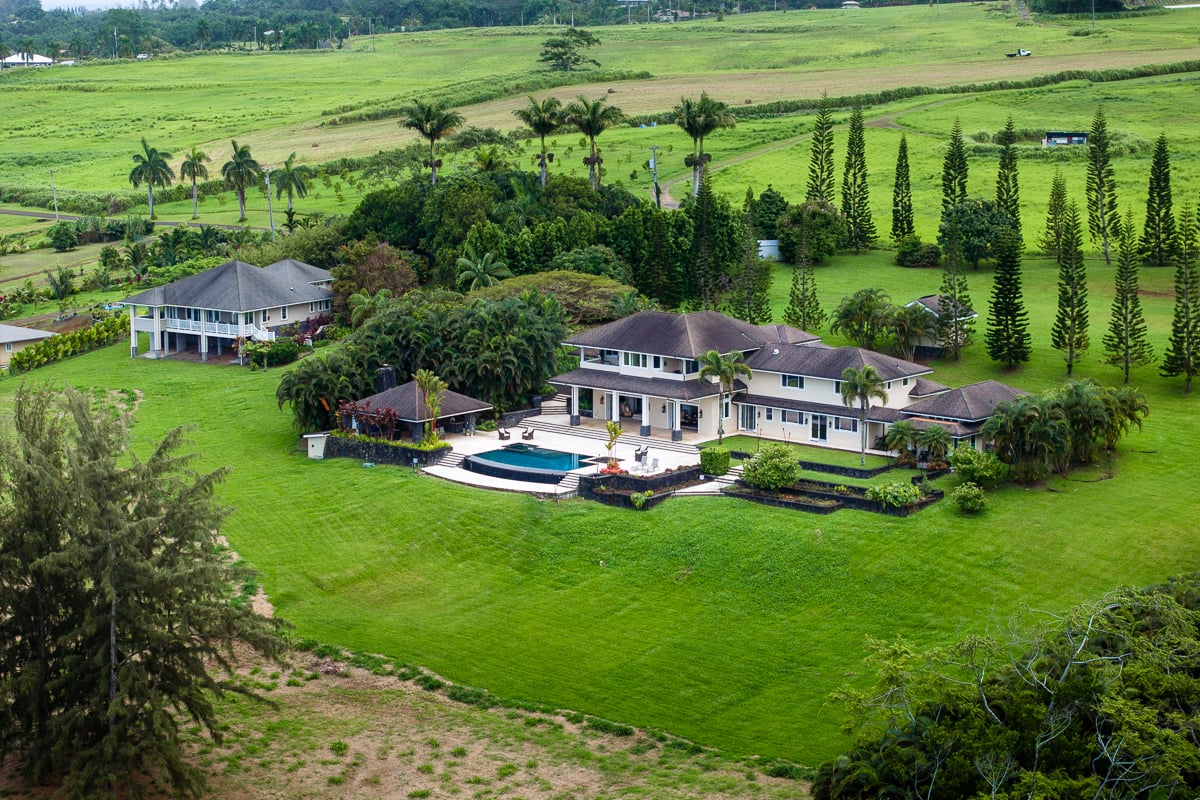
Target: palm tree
point(859, 386)
point(193, 167)
point(432, 121)
point(151, 168)
point(478, 272)
point(543, 119)
point(936, 442)
point(364, 305)
point(699, 118)
point(430, 386)
point(593, 118)
point(291, 178)
point(910, 324)
point(725, 369)
point(239, 172)
point(900, 437)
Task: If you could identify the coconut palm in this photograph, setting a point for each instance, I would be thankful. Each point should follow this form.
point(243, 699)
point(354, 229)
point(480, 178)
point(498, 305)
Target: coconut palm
point(900, 437)
point(193, 167)
point(543, 119)
point(478, 272)
point(239, 172)
point(936, 442)
point(699, 118)
point(859, 386)
point(593, 118)
point(291, 178)
point(432, 121)
point(151, 168)
point(725, 369)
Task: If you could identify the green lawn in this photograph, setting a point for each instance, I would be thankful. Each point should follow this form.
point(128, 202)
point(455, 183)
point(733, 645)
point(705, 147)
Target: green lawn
point(804, 452)
point(715, 619)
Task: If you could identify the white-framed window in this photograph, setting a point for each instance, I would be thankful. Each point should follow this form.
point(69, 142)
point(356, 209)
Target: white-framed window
point(690, 366)
point(318, 305)
point(636, 360)
point(793, 417)
point(283, 313)
point(791, 381)
point(847, 424)
point(905, 382)
point(889, 385)
point(8, 347)
point(248, 318)
point(769, 414)
point(837, 387)
point(725, 407)
point(656, 362)
point(265, 315)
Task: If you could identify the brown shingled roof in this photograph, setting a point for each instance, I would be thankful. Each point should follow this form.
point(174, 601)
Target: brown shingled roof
point(407, 402)
point(819, 362)
point(967, 404)
point(684, 335)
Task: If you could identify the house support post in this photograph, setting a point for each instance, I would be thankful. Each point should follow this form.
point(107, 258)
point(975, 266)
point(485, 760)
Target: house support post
point(203, 346)
point(156, 334)
point(614, 407)
point(132, 333)
point(645, 431)
point(676, 423)
point(573, 409)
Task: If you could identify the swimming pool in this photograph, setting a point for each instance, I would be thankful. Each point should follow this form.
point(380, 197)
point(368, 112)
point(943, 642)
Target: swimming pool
point(526, 462)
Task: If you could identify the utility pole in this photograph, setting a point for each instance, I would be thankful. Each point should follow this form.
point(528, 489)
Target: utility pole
point(371, 28)
point(270, 210)
point(654, 172)
point(54, 194)
point(114, 44)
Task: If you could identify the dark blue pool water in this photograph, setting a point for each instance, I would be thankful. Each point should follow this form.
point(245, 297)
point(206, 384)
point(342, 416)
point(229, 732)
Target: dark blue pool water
point(531, 457)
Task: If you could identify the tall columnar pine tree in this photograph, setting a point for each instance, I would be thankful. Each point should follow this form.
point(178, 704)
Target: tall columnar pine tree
point(1007, 338)
point(750, 282)
point(1056, 217)
point(1125, 344)
point(707, 272)
point(856, 202)
point(664, 282)
point(1069, 333)
point(902, 208)
point(804, 308)
point(1008, 189)
point(1183, 348)
point(956, 315)
point(820, 160)
point(954, 169)
point(1104, 221)
point(1158, 237)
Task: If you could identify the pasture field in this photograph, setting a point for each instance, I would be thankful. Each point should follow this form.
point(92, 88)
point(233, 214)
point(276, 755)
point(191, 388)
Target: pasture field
point(85, 122)
point(716, 620)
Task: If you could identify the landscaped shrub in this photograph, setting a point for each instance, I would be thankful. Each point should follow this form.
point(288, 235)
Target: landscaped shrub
point(271, 354)
point(896, 494)
point(63, 236)
point(978, 467)
point(813, 228)
point(774, 467)
point(714, 460)
point(969, 498)
point(912, 252)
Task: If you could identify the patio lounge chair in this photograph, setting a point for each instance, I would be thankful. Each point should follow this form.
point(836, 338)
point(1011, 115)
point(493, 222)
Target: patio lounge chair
point(527, 434)
point(654, 465)
point(503, 434)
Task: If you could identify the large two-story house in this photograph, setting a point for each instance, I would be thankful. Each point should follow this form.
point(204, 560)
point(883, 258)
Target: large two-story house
point(233, 301)
point(644, 370)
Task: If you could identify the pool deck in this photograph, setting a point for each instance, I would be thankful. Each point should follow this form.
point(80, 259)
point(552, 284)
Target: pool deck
point(669, 455)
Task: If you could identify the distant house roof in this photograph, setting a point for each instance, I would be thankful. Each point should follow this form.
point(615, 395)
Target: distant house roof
point(685, 335)
point(237, 286)
point(26, 60)
point(654, 387)
point(923, 387)
point(11, 334)
point(409, 404)
point(298, 272)
point(817, 362)
point(933, 304)
point(973, 403)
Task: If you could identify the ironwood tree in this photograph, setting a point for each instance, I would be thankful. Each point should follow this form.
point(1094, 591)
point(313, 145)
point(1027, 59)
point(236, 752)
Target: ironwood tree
point(1008, 188)
point(120, 611)
point(1007, 338)
point(1069, 334)
point(1183, 348)
point(856, 200)
point(956, 316)
point(1125, 344)
point(954, 169)
point(804, 307)
point(567, 51)
point(1104, 221)
point(1158, 235)
point(902, 207)
point(820, 160)
point(748, 297)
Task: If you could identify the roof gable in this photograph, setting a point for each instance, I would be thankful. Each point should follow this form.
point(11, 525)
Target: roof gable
point(830, 363)
point(406, 400)
point(684, 335)
point(298, 272)
point(971, 403)
point(11, 334)
point(233, 286)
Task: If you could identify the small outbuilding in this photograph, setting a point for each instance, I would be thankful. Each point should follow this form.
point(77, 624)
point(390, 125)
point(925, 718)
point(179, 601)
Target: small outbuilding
point(388, 412)
point(1064, 138)
point(26, 60)
point(16, 338)
point(929, 346)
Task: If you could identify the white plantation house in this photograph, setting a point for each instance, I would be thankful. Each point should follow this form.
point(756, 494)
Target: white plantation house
point(644, 370)
point(235, 301)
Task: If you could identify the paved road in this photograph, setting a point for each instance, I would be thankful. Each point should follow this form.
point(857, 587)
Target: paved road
point(17, 212)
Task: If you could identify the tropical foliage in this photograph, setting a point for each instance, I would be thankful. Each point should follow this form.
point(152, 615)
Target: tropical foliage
point(725, 369)
point(64, 345)
point(860, 386)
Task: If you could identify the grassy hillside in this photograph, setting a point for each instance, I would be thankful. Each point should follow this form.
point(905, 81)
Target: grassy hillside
point(716, 620)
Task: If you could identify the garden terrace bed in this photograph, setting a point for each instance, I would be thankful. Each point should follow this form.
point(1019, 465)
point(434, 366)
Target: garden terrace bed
point(623, 498)
point(821, 494)
point(616, 490)
point(832, 469)
point(379, 452)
